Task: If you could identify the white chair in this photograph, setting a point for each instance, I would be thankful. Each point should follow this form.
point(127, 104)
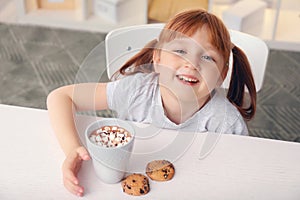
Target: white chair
point(123, 43)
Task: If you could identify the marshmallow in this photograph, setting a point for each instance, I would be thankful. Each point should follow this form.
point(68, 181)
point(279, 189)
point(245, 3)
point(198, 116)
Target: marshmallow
point(110, 136)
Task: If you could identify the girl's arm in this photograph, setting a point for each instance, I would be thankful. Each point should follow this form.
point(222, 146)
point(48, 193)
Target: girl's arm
point(62, 105)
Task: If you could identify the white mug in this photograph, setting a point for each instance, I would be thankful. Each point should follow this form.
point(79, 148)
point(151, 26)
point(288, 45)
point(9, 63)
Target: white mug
point(110, 163)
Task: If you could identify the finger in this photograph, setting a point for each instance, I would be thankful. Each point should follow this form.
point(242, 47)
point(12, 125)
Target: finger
point(73, 188)
point(83, 153)
point(71, 161)
point(71, 180)
point(70, 175)
point(71, 167)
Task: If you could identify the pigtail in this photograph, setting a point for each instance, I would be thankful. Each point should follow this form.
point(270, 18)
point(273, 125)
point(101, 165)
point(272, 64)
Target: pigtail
point(241, 76)
point(140, 62)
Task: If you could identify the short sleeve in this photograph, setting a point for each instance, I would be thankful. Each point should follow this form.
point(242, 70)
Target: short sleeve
point(131, 96)
point(239, 127)
point(119, 94)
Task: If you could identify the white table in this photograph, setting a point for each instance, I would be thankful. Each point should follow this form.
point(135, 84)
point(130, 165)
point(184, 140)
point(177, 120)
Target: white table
point(239, 167)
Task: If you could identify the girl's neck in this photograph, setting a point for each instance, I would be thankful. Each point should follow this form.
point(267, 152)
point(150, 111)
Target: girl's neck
point(180, 111)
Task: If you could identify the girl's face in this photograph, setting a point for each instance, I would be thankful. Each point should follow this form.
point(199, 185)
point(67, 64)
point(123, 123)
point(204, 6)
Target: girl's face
point(190, 67)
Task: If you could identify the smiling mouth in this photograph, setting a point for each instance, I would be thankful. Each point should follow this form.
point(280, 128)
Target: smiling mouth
point(187, 79)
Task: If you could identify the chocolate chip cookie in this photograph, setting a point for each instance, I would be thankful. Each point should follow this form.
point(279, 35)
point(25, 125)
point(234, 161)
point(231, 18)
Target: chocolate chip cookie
point(160, 170)
point(136, 184)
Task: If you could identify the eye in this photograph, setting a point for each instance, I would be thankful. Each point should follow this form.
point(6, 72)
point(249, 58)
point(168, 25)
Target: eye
point(207, 58)
point(180, 51)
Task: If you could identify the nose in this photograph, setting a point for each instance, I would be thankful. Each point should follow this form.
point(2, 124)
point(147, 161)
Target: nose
point(190, 66)
point(191, 63)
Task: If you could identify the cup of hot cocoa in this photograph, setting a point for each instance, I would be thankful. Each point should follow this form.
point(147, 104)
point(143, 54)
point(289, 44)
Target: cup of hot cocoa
point(110, 142)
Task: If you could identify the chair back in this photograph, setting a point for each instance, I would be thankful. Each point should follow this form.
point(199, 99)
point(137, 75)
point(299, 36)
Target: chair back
point(121, 44)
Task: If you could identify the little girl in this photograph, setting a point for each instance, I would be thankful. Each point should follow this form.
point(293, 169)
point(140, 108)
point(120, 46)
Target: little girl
point(173, 83)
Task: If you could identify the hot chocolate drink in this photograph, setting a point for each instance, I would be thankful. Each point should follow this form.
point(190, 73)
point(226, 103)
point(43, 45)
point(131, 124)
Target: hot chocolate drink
point(110, 136)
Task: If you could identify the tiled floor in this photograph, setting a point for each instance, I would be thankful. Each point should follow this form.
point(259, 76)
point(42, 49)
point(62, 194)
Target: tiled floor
point(35, 60)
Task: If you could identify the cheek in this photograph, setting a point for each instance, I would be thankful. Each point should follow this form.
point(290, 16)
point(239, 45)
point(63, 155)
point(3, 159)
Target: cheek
point(212, 78)
point(166, 64)
point(166, 73)
point(168, 58)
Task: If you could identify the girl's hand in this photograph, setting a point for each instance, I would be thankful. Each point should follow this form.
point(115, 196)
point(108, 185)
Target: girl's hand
point(71, 167)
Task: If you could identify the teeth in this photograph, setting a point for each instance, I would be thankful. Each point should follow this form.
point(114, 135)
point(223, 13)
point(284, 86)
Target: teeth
point(186, 79)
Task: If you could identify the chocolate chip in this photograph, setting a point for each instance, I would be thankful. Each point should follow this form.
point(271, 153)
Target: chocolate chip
point(142, 191)
point(128, 187)
point(166, 176)
point(145, 187)
point(133, 180)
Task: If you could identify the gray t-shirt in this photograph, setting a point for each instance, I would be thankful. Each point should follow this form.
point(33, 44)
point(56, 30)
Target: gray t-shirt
point(137, 98)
